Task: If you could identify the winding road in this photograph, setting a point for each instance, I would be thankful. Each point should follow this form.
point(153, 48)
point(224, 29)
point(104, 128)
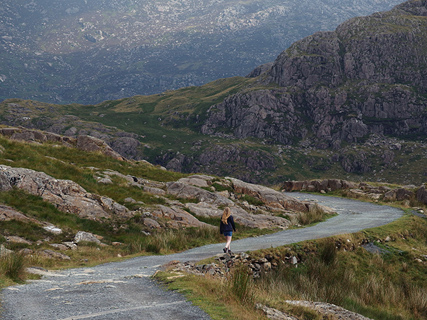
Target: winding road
point(124, 290)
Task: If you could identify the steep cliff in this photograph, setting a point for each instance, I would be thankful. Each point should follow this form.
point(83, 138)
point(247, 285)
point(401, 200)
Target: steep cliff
point(368, 76)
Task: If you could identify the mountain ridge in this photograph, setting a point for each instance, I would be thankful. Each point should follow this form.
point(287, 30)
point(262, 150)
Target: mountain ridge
point(87, 52)
point(368, 122)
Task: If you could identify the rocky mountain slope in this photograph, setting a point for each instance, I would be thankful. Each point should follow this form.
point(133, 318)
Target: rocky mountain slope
point(91, 51)
point(366, 77)
point(81, 187)
point(349, 103)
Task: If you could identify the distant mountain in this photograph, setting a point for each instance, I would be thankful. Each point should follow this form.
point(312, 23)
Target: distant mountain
point(90, 51)
point(349, 103)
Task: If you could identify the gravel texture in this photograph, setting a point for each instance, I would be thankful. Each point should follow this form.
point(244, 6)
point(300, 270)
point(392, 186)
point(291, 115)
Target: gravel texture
point(124, 290)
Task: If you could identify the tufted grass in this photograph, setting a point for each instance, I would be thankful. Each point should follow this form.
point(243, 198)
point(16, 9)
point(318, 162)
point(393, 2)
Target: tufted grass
point(12, 266)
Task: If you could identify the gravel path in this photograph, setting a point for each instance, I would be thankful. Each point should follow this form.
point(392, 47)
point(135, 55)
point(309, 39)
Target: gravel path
point(124, 290)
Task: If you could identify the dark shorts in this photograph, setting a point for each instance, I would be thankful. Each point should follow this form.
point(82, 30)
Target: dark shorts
point(227, 233)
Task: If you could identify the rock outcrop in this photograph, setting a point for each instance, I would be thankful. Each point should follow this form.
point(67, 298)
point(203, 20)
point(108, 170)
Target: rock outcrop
point(178, 218)
point(367, 76)
point(362, 189)
point(183, 190)
point(270, 197)
point(7, 214)
point(92, 144)
point(246, 163)
point(82, 142)
point(66, 195)
point(318, 185)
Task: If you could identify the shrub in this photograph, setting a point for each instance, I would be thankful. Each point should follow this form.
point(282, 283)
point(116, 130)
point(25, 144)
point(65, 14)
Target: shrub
point(328, 252)
point(241, 284)
point(314, 214)
point(13, 266)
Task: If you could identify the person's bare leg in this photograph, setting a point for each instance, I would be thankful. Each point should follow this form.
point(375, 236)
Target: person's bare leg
point(228, 239)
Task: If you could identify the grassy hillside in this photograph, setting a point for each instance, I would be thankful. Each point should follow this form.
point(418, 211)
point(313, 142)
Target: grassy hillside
point(393, 290)
point(389, 284)
point(121, 236)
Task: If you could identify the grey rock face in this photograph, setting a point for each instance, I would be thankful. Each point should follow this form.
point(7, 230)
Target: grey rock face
point(86, 237)
point(366, 77)
point(244, 163)
point(269, 196)
point(186, 191)
point(88, 143)
point(66, 195)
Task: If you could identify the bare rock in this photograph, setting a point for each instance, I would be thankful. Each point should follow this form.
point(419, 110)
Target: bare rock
point(52, 229)
point(155, 191)
point(274, 314)
point(26, 251)
point(105, 181)
point(328, 309)
point(66, 195)
point(50, 254)
point(390, 195)
point(203, 209)
point(197, 180)
point(260, 221)
point(8, 213)
point(70, 245)
point(4, 251)
point(16, 239)
point(178, 218)
point(269, 196)
point(86, 237)
point(182, 190)
point(60, 246)
point(241, 216)
point(151, 223)
point(403, 194)
point(129, 200)
point(92, 144)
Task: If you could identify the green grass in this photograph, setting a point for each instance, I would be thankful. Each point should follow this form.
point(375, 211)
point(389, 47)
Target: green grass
point(72, 164)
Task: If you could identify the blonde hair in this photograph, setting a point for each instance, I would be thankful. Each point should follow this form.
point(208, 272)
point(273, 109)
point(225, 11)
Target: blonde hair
point(225, 215)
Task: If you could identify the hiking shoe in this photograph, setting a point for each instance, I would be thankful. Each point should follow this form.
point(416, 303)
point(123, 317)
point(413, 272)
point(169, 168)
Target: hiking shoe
point(225, 250)
point(229, 251)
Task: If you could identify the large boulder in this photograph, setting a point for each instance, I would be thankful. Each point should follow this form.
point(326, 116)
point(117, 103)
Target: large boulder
point(83, 236)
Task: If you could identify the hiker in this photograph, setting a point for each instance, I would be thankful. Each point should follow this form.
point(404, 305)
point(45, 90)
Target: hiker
point(226, 227)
